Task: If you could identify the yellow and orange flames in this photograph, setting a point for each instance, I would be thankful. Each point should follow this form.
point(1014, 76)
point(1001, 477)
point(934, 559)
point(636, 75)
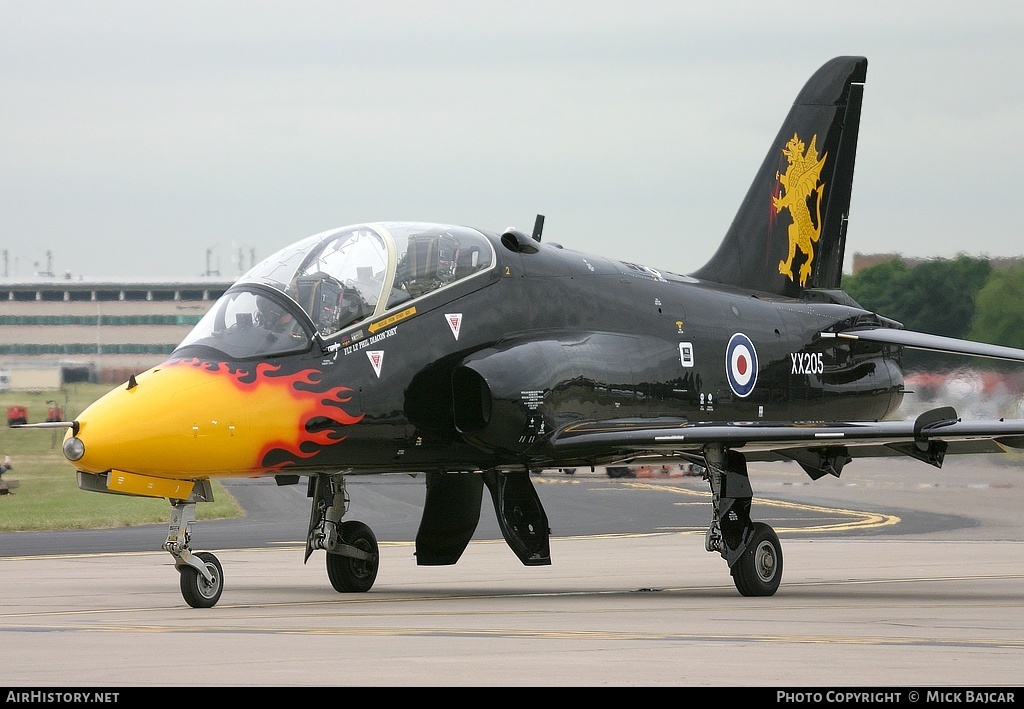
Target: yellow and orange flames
point(302, 413)
point(191, 418)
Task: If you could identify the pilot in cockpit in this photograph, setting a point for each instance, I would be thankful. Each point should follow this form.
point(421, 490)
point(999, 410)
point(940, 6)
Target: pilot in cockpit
point(352, 307)
point(273, 316)
point(429, 263)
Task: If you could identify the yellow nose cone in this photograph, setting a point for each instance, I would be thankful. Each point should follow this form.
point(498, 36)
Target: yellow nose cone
point(190, 419)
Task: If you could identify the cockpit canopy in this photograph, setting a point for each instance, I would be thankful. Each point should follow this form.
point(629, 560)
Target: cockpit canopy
point(338, 278)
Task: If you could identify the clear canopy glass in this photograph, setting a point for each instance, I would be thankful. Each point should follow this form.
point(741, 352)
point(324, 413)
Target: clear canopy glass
point(338, 278)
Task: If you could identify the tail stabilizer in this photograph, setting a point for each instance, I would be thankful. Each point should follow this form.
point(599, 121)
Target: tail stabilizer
point(790, 231)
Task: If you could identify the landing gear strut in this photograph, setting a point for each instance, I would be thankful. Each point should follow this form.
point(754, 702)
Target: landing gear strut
point(202, 579)
point(352, 552)
point(751, 549)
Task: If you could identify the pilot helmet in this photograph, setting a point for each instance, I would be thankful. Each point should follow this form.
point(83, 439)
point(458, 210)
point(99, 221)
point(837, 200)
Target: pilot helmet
point(271, 315)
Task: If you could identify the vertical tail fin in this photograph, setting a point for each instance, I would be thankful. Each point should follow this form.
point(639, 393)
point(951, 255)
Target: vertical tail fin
point(790, 231)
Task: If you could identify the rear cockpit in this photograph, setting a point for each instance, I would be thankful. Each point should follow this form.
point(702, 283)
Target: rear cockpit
point(334, 280)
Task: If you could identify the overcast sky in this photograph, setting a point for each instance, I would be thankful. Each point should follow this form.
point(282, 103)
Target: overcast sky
point(135, 136)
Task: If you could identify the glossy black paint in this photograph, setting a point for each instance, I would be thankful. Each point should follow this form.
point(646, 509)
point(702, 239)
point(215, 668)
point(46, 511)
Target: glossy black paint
point(546, 342)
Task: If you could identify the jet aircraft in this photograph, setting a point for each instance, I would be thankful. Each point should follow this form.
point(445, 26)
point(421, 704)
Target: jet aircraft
point(472, 357)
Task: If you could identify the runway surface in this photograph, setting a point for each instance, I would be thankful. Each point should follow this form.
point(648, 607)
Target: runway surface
point(897, 575)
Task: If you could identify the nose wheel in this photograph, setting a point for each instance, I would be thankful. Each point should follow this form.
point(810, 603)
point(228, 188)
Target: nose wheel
point(201, 576)
point(198, 590)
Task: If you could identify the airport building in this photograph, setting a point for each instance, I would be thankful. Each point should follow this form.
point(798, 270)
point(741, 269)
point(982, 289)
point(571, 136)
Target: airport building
point(59, 330)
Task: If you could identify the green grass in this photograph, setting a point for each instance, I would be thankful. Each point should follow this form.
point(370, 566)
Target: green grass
point(48, 496)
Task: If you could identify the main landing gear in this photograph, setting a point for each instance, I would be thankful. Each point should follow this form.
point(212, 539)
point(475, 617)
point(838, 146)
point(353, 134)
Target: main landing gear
point(352, 553)
point(752, 549)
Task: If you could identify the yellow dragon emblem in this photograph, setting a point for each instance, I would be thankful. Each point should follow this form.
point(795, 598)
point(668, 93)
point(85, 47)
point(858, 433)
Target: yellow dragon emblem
point(801, 179)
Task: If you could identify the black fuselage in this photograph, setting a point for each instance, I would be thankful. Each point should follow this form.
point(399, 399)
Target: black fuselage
point(480, 374)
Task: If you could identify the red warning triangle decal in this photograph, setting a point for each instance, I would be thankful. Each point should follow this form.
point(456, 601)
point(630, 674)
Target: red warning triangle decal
point(376, 359)
point(454, 322)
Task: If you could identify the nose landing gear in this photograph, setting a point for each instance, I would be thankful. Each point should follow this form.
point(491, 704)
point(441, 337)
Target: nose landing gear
point(201, 576)
point(202, 590)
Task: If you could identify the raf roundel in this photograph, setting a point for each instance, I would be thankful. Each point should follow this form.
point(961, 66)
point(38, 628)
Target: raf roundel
point(741, 364)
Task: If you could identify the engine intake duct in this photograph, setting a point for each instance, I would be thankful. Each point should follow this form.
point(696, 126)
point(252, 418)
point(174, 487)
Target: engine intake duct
point(511, 396)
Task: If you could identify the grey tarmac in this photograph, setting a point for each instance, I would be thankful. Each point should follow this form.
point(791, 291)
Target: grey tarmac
point(905, 606)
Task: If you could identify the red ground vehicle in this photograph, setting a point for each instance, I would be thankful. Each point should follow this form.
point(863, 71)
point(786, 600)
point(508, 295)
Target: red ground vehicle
point(16, 415)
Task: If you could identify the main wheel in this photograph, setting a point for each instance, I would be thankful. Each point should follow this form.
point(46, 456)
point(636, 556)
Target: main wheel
point(196, 590)
point(759, 571)
point(348, 574)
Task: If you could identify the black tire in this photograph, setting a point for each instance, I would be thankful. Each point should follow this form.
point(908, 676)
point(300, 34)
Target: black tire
point(759, 571)
point(350, 575)
point(195, 589)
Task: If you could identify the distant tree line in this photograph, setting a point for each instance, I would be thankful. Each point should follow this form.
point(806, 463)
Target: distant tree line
point(962, 297)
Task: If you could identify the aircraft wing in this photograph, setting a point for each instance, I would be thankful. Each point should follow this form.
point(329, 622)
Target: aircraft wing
point(924, 341)
point(820, 447)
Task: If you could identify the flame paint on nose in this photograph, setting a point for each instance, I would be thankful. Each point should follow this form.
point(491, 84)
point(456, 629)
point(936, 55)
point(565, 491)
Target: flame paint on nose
point(192, 418)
